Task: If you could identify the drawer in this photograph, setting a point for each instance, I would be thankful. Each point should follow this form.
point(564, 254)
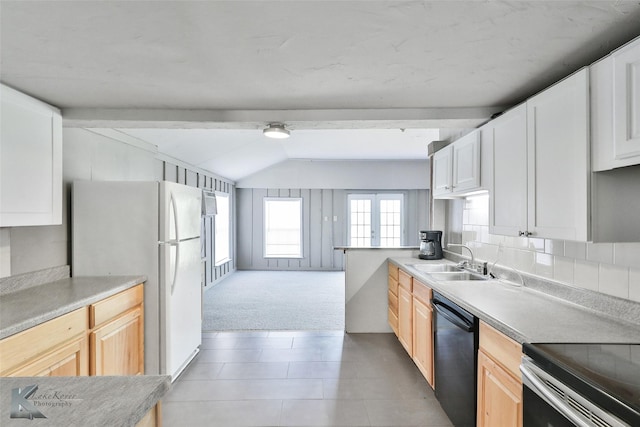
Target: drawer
point(393, 321)
point(501, 348)
point(26, 345)
point(422, 292)
point(393, 271)
point(393, 302)
point(393, 285)
point(115, 305)
point(404, 280)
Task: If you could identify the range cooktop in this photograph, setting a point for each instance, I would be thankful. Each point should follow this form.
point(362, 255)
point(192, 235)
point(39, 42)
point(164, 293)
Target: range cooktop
point(606, 374)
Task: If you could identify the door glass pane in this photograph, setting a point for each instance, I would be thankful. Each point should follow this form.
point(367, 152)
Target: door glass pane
point(390, 226)
point(360, 222)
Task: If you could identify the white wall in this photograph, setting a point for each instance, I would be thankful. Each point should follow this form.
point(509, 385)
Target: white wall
point(342, 174)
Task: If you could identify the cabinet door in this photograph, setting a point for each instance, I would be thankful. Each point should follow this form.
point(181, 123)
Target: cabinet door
point(117, 348)
point(405, 319)
point(442, 171)
point(558, 160)
point(626, 103)
point(423, 339)
point(508, 204)
point(68, 360)
point(31, 161)
point(499, 395)
point(466, 163)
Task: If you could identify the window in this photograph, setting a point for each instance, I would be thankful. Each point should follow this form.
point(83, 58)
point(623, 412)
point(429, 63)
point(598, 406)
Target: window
point(283, 228)
point(221, 234)
point(375, 219)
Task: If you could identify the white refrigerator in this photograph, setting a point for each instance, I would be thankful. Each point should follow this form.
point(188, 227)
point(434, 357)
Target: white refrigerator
point(149, 228)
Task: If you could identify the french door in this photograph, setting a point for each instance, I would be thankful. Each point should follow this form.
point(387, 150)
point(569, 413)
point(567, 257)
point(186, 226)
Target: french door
point(376, 219)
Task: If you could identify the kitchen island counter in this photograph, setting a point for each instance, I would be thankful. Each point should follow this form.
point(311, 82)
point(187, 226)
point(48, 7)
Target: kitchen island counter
point(80, 401)
point(25, 308)
point(529, 315)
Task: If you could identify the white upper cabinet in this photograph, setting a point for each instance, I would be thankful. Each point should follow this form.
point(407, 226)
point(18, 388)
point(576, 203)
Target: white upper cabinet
point(626, 102)
point(508, 203)
point(540, 183)
point(456, 167)
point(558, 160)
point(615, 109)
point(30, 160)
point(466, 163)
point(442, 178)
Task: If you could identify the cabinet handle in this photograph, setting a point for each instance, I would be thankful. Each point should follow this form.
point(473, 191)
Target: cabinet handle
point(446, 187)
point(528, 233)
point(520, 233)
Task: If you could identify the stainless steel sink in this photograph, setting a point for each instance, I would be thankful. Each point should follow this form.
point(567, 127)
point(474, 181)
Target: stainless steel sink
point(459, 275)
point(430, 268)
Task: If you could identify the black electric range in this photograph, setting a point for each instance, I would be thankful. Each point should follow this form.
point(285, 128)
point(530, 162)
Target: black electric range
point(606, 375)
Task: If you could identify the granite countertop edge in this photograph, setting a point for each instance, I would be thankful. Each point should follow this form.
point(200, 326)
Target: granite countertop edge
point(101, 287)
point(152, 399)
point(132, 396)
point(505, 325)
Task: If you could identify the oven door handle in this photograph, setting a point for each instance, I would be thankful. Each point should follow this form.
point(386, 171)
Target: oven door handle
point(532, 381)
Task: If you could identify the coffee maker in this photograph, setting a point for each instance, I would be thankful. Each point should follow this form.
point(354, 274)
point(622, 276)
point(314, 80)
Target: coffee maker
point(430, 244)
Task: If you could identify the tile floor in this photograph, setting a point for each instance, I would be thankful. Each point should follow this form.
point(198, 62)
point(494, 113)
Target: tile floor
point(301, 378)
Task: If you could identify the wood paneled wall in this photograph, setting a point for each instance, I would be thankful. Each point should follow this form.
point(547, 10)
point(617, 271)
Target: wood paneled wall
point(324, 227)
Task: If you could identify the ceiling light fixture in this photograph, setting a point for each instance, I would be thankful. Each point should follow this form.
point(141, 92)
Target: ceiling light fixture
point(276, 130)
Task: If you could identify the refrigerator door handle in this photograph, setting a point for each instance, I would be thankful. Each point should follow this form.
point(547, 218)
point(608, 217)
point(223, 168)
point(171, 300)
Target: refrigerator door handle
point(173, 206)
point(176, 263)
point(174, 266)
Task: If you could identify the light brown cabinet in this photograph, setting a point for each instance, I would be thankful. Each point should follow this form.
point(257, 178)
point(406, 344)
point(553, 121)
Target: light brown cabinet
point(57, 347)
point(410, 309)
point(405, 312)
point(106, 338)
point(117, 339)
point(392, 312)
point(499, 381)
point(423, 330)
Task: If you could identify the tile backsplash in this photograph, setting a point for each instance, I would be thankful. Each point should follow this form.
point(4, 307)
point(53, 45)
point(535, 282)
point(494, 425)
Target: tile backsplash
point(610, 268)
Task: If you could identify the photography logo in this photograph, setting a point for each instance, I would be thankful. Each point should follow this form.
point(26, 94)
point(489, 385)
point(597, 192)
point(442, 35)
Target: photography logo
point(21, 407)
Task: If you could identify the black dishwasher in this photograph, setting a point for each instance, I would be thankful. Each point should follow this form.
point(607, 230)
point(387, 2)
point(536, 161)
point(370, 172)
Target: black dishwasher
point(455, 354)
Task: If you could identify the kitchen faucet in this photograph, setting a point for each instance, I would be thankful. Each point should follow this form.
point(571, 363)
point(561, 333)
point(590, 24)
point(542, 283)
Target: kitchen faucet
point(465, 264)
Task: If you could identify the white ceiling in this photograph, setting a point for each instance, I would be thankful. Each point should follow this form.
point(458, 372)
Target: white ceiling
point(213, 73)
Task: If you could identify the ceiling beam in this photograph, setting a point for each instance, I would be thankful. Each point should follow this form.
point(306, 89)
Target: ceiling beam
point(407, 118)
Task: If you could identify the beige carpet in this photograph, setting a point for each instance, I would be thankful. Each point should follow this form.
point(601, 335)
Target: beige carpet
point(276, 300)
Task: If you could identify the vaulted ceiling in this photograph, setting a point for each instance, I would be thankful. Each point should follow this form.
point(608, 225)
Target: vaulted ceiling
point(200, 79)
